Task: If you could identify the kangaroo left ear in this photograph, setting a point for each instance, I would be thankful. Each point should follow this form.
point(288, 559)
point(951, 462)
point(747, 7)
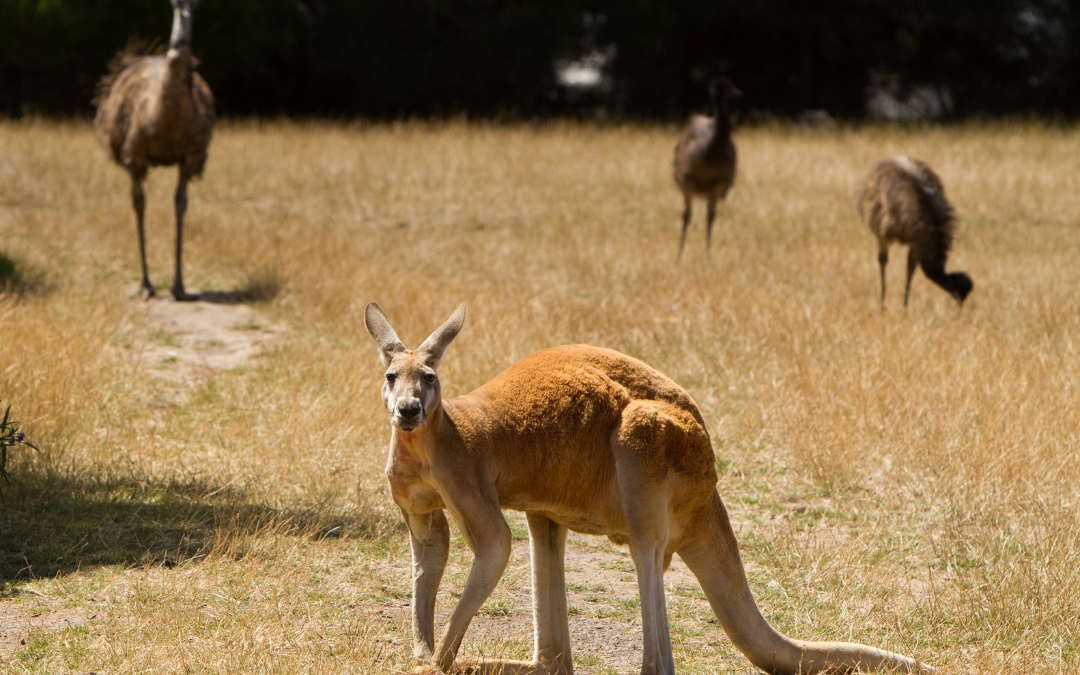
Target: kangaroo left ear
point(437, 343)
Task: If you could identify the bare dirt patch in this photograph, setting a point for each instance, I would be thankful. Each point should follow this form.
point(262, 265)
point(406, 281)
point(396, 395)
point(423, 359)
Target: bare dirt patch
point(602, 596)
point(192, 337)
point(17, 622)
point(185, 342)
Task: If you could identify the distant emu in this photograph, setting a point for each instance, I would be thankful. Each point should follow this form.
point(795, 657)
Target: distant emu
point(902, 200)
point(155, 110)
point(705, 157)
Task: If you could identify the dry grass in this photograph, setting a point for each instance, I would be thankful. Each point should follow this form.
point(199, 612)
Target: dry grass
point(904, 480)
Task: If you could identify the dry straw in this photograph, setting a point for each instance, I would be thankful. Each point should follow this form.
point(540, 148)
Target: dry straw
point(900, 479)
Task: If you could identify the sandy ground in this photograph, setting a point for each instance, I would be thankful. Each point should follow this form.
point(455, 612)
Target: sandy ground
point(187, 340)
point(203, 336)
point(606, 577)
point(16, 622)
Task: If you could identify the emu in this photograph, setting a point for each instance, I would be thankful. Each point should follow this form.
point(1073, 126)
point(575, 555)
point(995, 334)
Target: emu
point(705, 157)
point(155, 110)
point(902, 200)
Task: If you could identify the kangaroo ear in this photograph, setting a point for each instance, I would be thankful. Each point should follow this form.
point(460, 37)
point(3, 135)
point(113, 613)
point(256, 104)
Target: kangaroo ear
point(379, 326)
point(438, 341)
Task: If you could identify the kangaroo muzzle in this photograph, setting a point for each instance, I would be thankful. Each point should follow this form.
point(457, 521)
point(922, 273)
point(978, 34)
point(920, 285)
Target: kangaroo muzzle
point(408, 414)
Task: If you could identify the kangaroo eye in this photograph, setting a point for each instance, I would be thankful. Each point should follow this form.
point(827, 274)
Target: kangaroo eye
point(429, 378)
point(390, 377)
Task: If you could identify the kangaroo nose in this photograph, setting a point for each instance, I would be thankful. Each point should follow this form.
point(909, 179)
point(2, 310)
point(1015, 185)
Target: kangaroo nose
point(409, 408)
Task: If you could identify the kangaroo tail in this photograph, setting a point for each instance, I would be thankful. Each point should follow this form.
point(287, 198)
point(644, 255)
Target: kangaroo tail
point(713, 557)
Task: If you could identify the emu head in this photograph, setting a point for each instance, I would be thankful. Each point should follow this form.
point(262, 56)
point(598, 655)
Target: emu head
point(183, 10)
point(411, 390)
point(721, 89)
point(959, 286)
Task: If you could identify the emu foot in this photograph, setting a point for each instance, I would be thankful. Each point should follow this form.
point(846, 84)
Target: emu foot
point(147, 291)
point(180, 295)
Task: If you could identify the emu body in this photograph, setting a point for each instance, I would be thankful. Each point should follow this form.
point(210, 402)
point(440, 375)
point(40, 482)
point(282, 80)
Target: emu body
point(583, 439)
point(155, 110)
point(902, 200)
point(705, 158)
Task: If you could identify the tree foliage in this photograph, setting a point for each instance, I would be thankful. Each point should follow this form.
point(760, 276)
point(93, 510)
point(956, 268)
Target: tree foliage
point(392, 58)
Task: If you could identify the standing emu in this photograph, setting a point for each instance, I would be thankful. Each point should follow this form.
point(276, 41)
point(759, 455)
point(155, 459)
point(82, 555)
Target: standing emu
point(155, 110)
point(902, 200)
point(705, 157)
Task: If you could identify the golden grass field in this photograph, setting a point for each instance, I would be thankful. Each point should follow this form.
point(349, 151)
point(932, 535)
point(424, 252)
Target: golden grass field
point(904, 480)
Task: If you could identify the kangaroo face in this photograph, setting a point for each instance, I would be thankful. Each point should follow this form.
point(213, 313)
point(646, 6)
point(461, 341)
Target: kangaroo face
point(410, 391)
point(411, 388)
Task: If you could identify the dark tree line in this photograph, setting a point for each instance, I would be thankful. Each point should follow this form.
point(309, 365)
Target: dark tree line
point(394, 58)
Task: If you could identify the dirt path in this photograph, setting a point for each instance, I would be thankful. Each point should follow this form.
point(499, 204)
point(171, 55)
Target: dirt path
point(185, 341)
point(602, 595)
point(189, 338)
point(17, 622)
point(602, 592)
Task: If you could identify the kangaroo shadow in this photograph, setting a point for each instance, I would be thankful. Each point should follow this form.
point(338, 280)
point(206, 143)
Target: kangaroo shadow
point(58, 525)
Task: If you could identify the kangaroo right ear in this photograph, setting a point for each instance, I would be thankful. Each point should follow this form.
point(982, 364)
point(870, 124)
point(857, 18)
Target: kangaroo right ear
point(379, 326)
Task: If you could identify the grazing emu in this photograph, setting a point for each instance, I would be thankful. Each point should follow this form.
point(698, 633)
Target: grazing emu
point(155, 110)
point(902, 200)
point(705, 157)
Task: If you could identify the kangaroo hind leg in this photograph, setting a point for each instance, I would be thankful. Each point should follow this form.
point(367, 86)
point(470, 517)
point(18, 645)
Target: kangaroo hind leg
point(639, 447)
point(712, 554)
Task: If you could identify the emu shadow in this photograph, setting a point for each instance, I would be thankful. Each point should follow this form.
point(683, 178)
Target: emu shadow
point(260, 290)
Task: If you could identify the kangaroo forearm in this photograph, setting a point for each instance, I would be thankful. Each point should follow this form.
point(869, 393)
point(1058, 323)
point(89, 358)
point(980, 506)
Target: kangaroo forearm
point(430, 543)
point(487, 568)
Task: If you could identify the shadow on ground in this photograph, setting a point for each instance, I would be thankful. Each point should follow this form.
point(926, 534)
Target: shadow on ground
point(260, 289)
point(20, 280)
point(53, 525)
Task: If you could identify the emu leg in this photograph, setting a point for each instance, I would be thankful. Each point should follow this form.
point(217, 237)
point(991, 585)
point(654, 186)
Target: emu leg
point(912, 262)
point(710, 217)
point(178, 291)
point(685, 225)
point(138, 201)
point(883, 260)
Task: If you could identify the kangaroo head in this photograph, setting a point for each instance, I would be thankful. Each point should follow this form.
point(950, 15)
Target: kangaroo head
point(411, 388)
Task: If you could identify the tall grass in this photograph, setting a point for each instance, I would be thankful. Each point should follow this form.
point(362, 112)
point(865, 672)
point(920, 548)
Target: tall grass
point(906, 479)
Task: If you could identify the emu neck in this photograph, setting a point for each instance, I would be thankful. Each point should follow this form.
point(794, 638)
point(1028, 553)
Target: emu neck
point(181, 29)
point(949, 282)
point(722, 129)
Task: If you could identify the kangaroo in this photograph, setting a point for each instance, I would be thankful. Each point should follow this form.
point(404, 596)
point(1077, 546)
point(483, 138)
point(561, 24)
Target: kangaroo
point(579, 438)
